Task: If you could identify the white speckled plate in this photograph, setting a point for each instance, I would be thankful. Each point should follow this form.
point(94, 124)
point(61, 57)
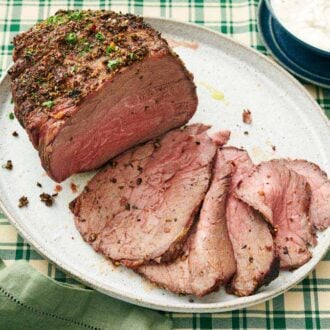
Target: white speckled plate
point(284, 115)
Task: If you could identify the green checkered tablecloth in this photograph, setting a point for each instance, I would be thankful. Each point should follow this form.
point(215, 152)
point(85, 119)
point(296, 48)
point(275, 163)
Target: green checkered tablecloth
point(306, 306)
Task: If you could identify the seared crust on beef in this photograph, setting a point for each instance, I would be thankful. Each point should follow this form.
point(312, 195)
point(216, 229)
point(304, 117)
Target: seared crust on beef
point(65, 68)
point(81, 77)
point(272, 273)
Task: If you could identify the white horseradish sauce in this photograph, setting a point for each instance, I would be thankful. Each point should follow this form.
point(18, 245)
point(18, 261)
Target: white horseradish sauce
point(309, 20)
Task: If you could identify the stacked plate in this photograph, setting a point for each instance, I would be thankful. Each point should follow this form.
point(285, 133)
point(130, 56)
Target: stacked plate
point(307, 62)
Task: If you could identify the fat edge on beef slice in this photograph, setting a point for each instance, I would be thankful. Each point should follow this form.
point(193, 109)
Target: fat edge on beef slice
point(283, 197)
point(87, 85)
point(319, 209)
point(254, 249)
point(208, 258)
point(140, 208)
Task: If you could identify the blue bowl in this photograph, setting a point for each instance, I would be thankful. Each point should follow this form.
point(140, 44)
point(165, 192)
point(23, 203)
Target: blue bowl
point(307, 63)
point(319, 51)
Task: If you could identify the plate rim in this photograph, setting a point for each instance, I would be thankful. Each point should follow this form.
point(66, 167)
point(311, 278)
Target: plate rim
point(239, 302)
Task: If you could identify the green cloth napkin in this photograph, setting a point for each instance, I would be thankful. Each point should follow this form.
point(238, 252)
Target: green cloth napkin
point(30, 300)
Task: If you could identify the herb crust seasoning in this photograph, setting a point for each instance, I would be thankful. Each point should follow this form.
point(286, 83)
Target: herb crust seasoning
point(53, 57)
point(80, 74)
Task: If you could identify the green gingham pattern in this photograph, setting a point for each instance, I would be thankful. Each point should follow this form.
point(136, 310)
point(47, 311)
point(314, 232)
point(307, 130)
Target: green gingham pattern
point(307, 305)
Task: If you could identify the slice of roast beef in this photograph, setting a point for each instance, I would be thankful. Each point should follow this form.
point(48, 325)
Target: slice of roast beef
point(221, 138)
point(319, 210)
point(254, 248)
point(88, 85)
point(141, 207)
point(282, 196)
point(208, 259)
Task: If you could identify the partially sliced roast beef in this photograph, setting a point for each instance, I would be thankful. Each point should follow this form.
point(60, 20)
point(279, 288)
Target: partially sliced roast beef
point(208, 259)
point(282, 196)
point(254, 248)
point(88, 85)
point(141, 207)
point(319, 210)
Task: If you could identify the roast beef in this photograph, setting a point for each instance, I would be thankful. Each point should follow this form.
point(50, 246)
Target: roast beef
point(319, 210)
point(282, 196)
point(254, 249)
point(208, 259)
point(221, 138)
point(140, 208)
point(88, 85)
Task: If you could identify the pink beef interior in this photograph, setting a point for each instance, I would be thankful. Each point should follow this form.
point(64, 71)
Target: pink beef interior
point(207, 259)
point(254, 250)
point(83, 102)
point(282, 196)
point(147, 100)
point(142, 209)
point(319, 209)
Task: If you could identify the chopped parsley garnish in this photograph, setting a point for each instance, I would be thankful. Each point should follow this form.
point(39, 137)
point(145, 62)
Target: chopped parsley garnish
point(50, 20)
point(99, 36)
point(48, 104)
point(73, 69)
point(57, 19)
point(71, 38)
point(132, 56)
point(28, 52)
point(111, 48)
point(76, 15)
point(11, 116)
point(113, 64)
point(87, 47)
